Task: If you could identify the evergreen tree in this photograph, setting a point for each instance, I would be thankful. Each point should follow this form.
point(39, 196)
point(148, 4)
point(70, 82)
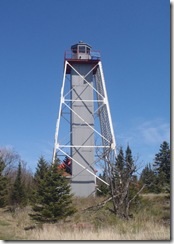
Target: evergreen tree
point(18, 195)
point(41, 170)
point(148, 177)
point(3, 185)
point(162, 166)
point(120, 161)
point(119, 171)
point(124, 184)
point(129, 174)
point(129, 162)
point(53, 201)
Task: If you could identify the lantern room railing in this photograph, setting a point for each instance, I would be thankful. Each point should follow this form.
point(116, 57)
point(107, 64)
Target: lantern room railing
point(93, 55)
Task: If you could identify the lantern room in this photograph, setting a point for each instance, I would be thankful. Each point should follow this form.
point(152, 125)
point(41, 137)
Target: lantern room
point(81, 50)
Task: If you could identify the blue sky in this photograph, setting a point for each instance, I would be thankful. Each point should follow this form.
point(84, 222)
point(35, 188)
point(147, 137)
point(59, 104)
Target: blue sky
point(133, 37)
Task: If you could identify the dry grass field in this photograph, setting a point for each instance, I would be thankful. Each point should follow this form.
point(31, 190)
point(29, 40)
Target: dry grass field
point(151, 222)
point(128, 231)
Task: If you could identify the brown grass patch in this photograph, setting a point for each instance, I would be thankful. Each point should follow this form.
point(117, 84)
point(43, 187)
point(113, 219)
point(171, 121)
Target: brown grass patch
point(152, 222)
point(126, 231)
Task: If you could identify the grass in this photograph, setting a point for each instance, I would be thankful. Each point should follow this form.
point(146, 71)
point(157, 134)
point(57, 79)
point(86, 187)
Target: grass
point(126, 231)
point(151, 222)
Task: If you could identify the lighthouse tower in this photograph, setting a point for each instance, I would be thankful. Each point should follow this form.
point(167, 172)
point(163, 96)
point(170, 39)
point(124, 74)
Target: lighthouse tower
point(84, 131)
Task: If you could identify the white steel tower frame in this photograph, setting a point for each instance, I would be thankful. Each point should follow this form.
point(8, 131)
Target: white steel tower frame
point(103, 129)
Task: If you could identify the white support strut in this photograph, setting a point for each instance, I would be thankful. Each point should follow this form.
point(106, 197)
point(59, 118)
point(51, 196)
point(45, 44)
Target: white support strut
point(59, 115)
point(108, 108)
point(84, 167)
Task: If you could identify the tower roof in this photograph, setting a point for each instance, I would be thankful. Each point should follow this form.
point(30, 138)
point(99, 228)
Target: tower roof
point(80, 43)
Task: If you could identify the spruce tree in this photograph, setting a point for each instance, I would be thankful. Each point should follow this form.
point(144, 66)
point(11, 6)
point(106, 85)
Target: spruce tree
point(148, 177)
point(162, 166)
point(18, 195)
point(120, 160)
point(130, 169)
point(120, 167)
point(54, 200)
point(3, 185)
point(41, 170)
point(123, 179)
point(129, 162)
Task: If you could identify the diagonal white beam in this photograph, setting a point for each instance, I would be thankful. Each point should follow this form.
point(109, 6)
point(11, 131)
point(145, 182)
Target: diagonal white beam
point(83, 167)
point(87, 123)
point(85, 80)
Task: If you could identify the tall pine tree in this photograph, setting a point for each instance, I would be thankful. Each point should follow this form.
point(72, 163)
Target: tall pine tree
point(148, 178)
point(120, 161)
point(162, 166)
point(18, 195)
point(121, 185)
point(129, 162)
point(41, 170)
point(54, 200)
point(120, 166)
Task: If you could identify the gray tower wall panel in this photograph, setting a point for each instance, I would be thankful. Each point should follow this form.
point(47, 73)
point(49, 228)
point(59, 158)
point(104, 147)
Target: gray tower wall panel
point(83, 183)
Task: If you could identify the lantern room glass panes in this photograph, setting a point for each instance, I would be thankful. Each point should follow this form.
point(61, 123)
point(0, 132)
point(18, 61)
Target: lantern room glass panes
point(81, 49)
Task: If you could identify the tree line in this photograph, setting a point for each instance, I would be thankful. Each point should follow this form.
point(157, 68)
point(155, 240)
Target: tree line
point(125, 183)
point(49, 193)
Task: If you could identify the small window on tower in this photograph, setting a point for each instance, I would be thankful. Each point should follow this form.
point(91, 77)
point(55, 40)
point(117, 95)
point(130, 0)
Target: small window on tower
point(88, 50)
point(81, 49)
point(74, 50)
